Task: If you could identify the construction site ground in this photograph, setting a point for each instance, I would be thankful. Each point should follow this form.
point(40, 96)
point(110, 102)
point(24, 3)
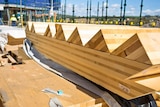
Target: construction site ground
point(24, 82)
point(22, 85)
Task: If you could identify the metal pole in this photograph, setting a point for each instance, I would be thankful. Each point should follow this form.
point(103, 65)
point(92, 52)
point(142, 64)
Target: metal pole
point(140, 16)
point(51, 4)
point(21, 12)
point(8, 15)
point(121, 8)
point(98, 12)
point(73, 14)
point(102, 9)
point(51, 12)
point(90, 11)
point(124, 10)
point(65, 10)
point(62, 13)
point(106, 10)
point(87, 12)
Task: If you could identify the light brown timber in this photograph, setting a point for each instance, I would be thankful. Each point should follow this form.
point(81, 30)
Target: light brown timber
point(110, 56)
point(22, 86)
point(99, 73)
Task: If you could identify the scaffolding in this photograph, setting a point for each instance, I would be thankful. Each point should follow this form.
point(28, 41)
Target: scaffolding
point(28, 10)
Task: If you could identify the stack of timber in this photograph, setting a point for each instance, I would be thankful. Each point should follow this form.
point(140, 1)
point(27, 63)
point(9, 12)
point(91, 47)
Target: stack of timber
point(117, 58)
point(14, 41)
point(22, 85)
point(15, 35)
point(10, 58)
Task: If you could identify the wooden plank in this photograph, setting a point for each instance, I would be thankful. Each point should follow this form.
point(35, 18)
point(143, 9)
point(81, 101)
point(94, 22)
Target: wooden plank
point(135, 55)
point(80, 51)
point(150, 42)
point(29, 24)
point(48, 32)
point(59, 33)
point(86, 32)
point(128, 30)
point(98, 43)
point(150, 82)
point(112, 84)
point(16, 56)
point(14, 41)
point(152, 71)
point(27, 28)
point(27, 81)
point(82, 60)
point(11, 59)
point(124, 46)
point(75, 38)
point(32, 28)
point(99, 77)
point(11, 47)
point(140, 47)
point(52, 29)
point(132, 49)
point(40, 27)
point(116, 36)
point(68, 30)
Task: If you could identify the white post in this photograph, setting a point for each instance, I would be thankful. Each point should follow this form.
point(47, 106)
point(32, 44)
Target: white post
point(51, 10)
point(21, 12)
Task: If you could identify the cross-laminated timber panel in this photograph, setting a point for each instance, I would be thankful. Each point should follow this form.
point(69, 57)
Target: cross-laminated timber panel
point(132, 49)
point(150, 43)
point(59, 32)
point(83, 33)
point(38, 28)
point(115, 37)
point(48, 32)
point(75, 38)
point(107, 70)
point(97, 42)
point(88, 65)
point(29, 26)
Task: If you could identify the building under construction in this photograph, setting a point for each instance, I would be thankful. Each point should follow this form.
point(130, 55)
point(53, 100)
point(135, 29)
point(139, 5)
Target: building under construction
point(30, 9)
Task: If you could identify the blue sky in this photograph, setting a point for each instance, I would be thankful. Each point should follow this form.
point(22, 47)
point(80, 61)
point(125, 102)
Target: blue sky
point(150, 7)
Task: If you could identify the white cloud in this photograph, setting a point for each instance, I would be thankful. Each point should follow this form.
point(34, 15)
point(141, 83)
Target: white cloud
point(115, 6)
point(147, 12)
point(113, 9)
point(69, 9)
point(151, 12)
point(157, 12)
point(132, 8)
point(131, 11)
point(80, 10)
